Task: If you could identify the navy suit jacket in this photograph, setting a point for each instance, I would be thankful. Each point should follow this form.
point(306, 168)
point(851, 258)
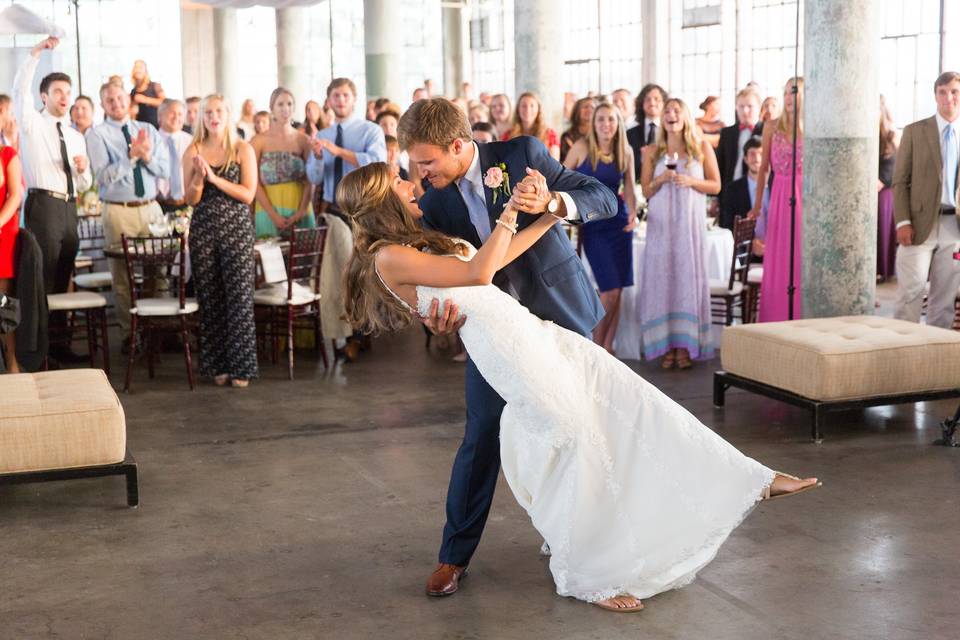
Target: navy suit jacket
point(549, 278)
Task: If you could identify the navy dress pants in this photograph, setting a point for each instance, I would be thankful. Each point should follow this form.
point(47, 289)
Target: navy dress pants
point(475, 470)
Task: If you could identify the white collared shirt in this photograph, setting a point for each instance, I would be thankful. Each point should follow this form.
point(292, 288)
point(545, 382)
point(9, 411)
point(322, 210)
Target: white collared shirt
point(40, 142)
point(181, 141)
point(947, 198)
point(475, 181)
point(646, 128)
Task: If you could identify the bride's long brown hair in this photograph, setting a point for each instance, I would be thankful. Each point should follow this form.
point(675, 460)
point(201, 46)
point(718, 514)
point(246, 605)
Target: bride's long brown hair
point(379, 218)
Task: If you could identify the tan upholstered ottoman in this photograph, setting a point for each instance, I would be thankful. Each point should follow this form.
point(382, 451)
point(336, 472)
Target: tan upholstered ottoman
point(840, 363)
point(58, 425)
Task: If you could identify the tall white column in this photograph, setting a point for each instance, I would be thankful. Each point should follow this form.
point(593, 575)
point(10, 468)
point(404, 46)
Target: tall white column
point(291, 52)
point(656, 42)
point(538, 55)
point(383, 45)
point(225, 54)
point(453, 49)
point(840, 157)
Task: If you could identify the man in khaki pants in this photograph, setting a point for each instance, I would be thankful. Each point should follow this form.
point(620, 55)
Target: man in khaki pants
point(925, 207)
point(127, 159)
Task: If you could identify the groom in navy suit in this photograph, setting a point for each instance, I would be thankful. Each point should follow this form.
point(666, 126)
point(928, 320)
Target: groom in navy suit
point(464, 201)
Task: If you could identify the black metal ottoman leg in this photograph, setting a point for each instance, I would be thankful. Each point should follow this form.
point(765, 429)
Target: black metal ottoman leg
point(816, 418)
point(719, 390)
point(133, 486)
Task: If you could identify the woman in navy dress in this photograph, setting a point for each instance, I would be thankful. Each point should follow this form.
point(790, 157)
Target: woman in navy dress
point(605, 155)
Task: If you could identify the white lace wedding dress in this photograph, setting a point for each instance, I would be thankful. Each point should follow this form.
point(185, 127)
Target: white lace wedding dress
point(631, 492)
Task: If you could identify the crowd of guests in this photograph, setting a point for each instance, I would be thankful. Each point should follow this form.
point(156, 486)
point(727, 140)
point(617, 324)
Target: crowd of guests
point(262, 173)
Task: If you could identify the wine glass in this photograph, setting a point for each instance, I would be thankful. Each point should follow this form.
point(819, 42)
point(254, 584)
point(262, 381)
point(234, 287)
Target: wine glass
point(158, 224)
point(672, 160)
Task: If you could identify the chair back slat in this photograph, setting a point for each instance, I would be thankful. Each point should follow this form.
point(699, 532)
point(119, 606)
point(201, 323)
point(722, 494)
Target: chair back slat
point(306, 253)
point(91, 236)
point(743, 230)
point(156, 259)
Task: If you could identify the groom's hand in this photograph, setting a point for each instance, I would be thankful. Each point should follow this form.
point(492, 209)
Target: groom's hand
point(444, 323)
point(531, 195)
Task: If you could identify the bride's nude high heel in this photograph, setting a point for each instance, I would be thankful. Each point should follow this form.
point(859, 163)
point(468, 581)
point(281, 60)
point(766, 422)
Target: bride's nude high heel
point(766, 490)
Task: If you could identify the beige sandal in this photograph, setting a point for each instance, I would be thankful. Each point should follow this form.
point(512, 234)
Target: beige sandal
point(766, 490)
point(616, 609)
point(240, 383)
point(221, 380)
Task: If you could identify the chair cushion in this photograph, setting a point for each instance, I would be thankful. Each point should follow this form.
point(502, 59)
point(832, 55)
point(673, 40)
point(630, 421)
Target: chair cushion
point(75, 301)
point(164, 307)
point(719, 288)
point(844, 358)
point(755, 275)
point(58, 420)
point(95, 280)
point(276, 295)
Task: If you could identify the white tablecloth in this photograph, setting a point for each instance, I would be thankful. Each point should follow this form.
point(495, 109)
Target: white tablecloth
point(718, 254)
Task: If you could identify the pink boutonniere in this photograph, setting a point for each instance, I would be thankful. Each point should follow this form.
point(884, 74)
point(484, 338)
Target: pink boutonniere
point(498, 180)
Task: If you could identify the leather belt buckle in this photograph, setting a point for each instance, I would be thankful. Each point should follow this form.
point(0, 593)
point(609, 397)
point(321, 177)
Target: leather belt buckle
point(52, 194)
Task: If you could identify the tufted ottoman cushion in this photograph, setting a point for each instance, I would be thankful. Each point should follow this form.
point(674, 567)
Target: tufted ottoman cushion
point(846, 358)
point(59, 420)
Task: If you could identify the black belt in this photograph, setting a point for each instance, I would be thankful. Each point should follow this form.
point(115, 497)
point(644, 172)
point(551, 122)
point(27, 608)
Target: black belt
point(947, 211)
point(52, 194)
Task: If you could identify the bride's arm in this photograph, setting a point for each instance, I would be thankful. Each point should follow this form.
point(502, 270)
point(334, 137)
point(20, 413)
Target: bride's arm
point(528, 237)
point(407, 266)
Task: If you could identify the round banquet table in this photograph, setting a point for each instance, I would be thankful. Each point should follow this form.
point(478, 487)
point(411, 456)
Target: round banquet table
point(718, 255)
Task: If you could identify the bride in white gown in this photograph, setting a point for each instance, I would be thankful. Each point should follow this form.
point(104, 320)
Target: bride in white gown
point(631, 492)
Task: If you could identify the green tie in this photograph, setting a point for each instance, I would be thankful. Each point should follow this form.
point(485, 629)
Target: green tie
point(137, 168)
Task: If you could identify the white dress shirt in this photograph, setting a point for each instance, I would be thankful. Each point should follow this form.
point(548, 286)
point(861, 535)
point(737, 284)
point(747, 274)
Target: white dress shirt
point(646, 128)
point(40, 142)
point(181, 141)
point(474, 181)
point(948, 199)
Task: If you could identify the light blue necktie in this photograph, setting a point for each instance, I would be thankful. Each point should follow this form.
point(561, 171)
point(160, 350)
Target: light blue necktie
point(176, 173)
point(949, 165)
point(477, 208)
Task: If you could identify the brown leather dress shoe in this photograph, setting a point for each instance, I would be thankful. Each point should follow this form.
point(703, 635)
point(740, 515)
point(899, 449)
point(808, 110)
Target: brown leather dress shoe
point(445, 580)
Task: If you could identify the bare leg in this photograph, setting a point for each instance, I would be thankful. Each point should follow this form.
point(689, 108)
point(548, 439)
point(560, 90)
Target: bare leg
point(613, 314)
point(9, 339)
point(607, 299)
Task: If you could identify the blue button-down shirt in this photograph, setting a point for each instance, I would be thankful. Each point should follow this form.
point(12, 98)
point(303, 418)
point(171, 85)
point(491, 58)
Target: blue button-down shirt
point(362, 137)
point(111, 164)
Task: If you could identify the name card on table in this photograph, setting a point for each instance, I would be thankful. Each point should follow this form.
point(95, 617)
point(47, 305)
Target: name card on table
point(271, 260)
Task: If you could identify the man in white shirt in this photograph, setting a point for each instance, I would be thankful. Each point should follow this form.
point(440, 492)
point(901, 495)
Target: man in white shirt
point(170, 190)
point(55, 168)
point(648, 108)
point(925, 208)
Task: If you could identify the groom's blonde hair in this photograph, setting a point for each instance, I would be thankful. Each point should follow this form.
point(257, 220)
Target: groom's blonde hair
point(434, 121)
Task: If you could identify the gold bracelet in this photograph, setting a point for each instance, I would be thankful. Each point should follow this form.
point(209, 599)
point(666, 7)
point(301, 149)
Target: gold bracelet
point(509, 226)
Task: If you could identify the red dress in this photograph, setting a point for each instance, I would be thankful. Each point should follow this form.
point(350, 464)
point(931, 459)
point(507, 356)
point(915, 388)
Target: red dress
point(8, 234)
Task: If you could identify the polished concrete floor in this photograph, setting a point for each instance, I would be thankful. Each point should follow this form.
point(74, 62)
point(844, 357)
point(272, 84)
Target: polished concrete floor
point(312, 509)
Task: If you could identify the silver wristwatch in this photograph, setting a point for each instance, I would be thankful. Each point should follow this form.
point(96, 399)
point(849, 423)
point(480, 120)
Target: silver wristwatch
point(554, 205)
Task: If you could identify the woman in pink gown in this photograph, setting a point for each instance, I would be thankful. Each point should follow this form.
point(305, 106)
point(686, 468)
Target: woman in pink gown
point(778, 155)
